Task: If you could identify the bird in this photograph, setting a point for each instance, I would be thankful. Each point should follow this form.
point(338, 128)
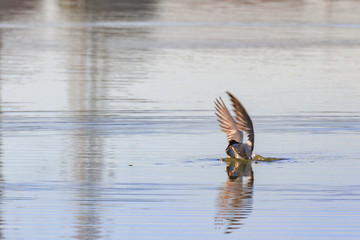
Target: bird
point(235, 128)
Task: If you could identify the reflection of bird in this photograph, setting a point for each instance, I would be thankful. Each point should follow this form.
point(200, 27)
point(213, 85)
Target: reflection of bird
point(235, 198)
point(234, 128)
point(238, 168)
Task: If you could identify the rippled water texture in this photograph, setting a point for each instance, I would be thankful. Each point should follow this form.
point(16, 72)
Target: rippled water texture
point(107, 125)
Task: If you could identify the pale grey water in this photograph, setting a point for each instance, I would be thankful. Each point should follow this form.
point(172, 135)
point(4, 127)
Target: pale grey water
point(108, 128)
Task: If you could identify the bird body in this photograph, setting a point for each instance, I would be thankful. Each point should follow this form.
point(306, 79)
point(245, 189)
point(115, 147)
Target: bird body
point(239, 150)
point(235, 128)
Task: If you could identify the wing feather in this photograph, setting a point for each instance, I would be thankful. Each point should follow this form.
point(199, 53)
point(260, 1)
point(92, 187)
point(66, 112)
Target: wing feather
point(243, 119)
point(227, 122)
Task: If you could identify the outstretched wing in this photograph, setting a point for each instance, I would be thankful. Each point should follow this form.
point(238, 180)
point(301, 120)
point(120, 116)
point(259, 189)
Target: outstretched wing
point(227, 123)
point(244, 122)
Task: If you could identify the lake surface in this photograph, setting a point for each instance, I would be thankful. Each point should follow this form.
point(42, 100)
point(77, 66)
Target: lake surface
point(108, 131)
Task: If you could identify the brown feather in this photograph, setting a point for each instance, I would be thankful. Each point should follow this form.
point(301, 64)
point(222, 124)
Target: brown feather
point(244, 122)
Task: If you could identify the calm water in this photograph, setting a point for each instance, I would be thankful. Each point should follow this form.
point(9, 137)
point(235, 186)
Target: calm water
point(107, 125)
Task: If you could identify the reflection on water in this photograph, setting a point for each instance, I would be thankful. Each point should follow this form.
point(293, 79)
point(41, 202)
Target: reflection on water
point(106, 110)
point(235, 197)
point(88, 169)
point(238, 168)
point(2, 222)
point(88, 219)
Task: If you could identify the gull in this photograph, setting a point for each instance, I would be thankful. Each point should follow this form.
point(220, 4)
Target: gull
point(235, 128)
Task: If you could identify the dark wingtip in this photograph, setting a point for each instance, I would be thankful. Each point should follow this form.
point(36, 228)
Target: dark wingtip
point(230, 95)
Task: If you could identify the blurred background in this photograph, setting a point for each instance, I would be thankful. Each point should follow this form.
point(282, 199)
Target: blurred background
point(107, 125)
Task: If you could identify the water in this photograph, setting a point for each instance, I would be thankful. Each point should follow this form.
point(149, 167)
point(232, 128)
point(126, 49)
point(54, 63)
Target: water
point(108, 128)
